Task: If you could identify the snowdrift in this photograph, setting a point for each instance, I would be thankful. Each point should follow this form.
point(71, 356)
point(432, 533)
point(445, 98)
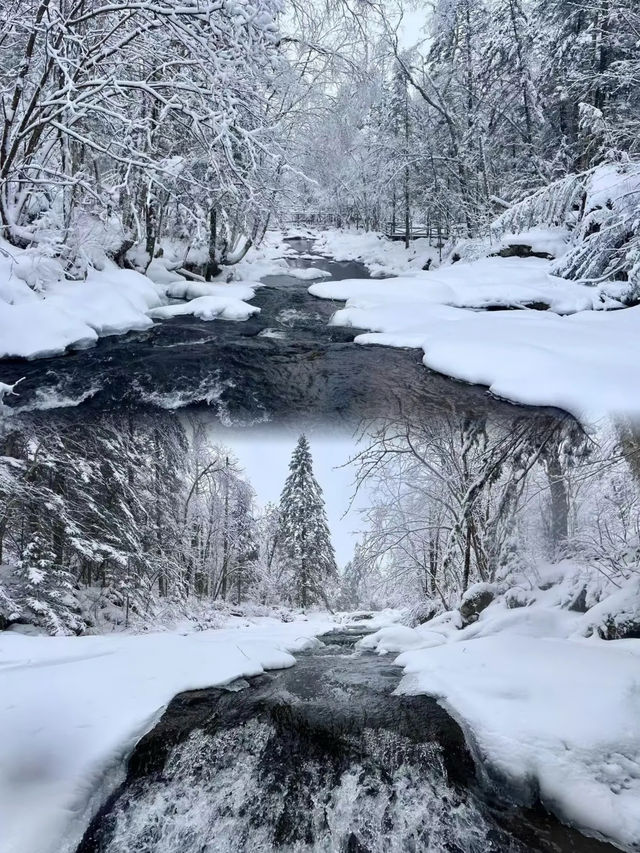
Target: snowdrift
point(551, 711)
point(74, 708)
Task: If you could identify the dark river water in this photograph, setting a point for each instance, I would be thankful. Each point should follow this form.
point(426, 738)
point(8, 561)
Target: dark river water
point(320, 757)
point(285, 363)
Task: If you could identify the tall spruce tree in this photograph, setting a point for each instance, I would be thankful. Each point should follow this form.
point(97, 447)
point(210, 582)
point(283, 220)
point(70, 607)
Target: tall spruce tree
point(353, 579)
point(304, 533)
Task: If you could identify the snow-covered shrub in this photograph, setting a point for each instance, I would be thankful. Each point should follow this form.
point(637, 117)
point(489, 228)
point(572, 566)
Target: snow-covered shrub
point(468, 249)
point(286, 616)
point(44, 592)
point(518, 597)
point(9, 607)
point(617, 616)
point(600, 208)
point(36, 267)
point(422, 612)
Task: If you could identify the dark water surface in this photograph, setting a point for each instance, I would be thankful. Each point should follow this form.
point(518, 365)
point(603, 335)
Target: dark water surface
point(283, 364)
point(320, 757)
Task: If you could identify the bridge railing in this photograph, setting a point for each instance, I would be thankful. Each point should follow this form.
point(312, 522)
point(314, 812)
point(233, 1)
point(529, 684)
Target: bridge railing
point(436, 234)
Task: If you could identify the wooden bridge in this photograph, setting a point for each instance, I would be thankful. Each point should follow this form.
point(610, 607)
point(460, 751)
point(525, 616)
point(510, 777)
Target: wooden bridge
point(416, 232)
point(436, 234)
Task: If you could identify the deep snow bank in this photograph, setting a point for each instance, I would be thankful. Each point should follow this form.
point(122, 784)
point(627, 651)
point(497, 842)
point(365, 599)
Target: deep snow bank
point(582, 360)
point(72, 708)
point(554, 717)
point(549, 712)
point(44, 314)
point(52, 315)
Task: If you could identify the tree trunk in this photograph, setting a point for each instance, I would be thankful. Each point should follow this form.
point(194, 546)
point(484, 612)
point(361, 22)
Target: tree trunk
point(559, 526)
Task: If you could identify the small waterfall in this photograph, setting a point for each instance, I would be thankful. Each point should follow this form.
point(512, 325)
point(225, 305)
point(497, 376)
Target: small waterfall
point(320, 758)
point(257, 787)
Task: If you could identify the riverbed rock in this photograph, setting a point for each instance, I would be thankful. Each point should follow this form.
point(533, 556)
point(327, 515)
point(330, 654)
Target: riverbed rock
point(476, 599)
point(521, 250)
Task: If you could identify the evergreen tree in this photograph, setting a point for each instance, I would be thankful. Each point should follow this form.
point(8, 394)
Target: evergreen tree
point(304, 533)
point(353, 579)
point(243, 539)
point(48, 589)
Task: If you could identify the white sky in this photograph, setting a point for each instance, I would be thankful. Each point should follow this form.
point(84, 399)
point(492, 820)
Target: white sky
point(264, 453)
point(411, 30)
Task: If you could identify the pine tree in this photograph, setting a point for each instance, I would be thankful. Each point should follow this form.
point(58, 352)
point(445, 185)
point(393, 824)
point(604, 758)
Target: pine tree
point(47, 590)
point(243, 539)
point(304, 533)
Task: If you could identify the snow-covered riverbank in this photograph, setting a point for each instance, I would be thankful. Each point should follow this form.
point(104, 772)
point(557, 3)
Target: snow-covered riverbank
point(72, 709)
point(548, 712)
point(42, 313)
point(573, 354)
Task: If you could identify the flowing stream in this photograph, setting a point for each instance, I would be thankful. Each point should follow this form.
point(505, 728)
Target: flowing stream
point(282, 364)
point(320, 757)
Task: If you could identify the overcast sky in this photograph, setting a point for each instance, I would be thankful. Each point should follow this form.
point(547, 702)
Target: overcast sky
point(264, 453)
point(412, 24)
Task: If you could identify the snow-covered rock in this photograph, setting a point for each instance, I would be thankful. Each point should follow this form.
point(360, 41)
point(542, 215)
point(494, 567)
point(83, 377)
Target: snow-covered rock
point(476, 599)
point(537, 242)
point(207, 308)
point(307, 273)
point(380, 255)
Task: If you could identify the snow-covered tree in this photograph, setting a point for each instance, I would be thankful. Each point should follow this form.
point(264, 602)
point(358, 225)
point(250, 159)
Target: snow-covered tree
point(47, 590)
point(304, 537)
point(135, 512)
point(445, 508)
point(355, 590)
point(123, 122)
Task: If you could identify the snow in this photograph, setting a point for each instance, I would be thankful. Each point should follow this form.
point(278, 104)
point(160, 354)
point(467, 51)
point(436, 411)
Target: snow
point(395, 638)
point(160, 274)
point(370, 620)
point(208, 301)
point(7, 390)
point(243, 290)
point(307, 273)
point(561, 714)
point(477, 589)
point(549, 241)
point(43, 314)
point(548, 710)
point(621, 606)
point(380, 255)
point(269, 258)
point(72, 709)
point(69, 313)
point(207, 308)
point(572, 356)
